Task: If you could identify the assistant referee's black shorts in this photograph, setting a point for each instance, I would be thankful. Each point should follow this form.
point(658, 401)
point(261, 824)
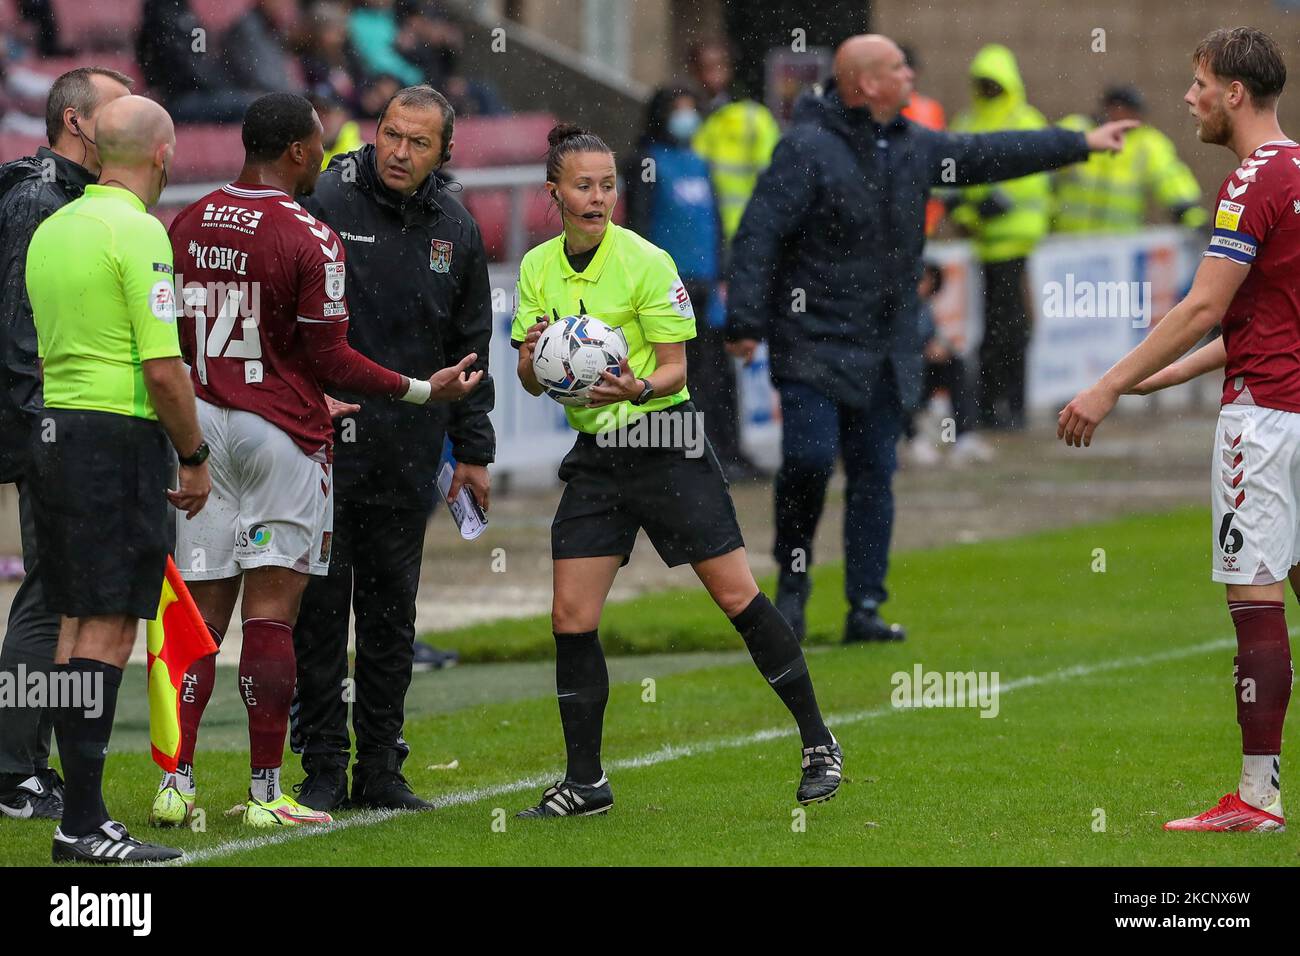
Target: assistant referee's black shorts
point(100, 481)
point(613, 491)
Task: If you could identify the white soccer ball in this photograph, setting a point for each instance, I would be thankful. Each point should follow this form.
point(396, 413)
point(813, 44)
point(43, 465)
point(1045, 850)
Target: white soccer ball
point(571, 354)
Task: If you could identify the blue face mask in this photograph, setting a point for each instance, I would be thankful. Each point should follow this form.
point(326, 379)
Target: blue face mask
point(682, 124)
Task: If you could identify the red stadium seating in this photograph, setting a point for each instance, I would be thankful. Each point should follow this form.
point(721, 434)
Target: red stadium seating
point(207, 153)
point(13, 145)
point(97, 24)
point(54, 66)
point(500, 140)
point(218, 15)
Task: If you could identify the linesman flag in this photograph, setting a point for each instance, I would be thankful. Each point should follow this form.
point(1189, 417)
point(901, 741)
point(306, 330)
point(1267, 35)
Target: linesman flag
point(177, 638)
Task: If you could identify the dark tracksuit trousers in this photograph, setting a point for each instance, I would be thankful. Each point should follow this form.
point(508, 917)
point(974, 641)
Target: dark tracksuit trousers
point(712, 377)
point(31, 640)
point(817, 430)
point(374, 572)
point(1004, 345)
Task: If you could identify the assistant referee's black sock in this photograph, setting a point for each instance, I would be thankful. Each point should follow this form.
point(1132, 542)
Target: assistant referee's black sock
point(83, 733)
point(582, 689)
point(779, 658)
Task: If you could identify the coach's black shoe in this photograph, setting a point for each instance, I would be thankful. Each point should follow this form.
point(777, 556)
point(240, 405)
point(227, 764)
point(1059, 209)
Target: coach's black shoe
point(386, 790)
point(792, 592)
point(324, 788)
point(864, 624)
point(109, 844)
point(429, 658)
point(569, 799)
point(39, 797)
point(822, 769)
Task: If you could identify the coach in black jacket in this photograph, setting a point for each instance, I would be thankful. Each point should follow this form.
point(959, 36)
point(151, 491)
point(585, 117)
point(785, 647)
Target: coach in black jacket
point(31, 188)
point(824, 267)
point(418, 297)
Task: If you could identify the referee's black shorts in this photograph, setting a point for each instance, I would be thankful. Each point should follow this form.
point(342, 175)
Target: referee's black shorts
point(613, 490)
point(100, 481)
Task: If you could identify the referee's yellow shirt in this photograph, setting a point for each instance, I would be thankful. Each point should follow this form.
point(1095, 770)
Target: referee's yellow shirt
point(630, 284)
point(99, 277)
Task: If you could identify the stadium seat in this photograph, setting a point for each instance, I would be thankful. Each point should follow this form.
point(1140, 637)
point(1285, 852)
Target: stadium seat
point(89, 25)
point(54, 66)
point(13, 145)
point(218, 15)
point(501, 140)
point(207, 153)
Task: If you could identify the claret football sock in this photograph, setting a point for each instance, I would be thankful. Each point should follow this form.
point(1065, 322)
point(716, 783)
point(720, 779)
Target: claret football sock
point(1262, 674)
point(780, 660)
point(1262, 689)
point(1260, 780)
point(582, 690)
point(196, 691)
point(266, 679)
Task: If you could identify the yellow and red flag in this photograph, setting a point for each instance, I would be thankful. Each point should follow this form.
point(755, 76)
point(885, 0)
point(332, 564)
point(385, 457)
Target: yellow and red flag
point(177, 638)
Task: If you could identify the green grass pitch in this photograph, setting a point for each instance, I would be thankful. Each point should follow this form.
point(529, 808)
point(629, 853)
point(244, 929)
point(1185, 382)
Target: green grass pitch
point(1115, 714)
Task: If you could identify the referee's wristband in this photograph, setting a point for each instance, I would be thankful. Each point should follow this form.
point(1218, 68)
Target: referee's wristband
point(418, 391)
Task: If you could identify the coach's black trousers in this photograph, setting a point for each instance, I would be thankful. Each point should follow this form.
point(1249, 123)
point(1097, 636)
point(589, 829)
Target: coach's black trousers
point(29, 646)
point(375, 572)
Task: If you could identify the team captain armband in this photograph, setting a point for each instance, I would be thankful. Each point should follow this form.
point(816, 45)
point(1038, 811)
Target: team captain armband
point(1231, 244)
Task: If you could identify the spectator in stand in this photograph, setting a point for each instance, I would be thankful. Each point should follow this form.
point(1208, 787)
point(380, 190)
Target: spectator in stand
point(428, 37)
point(736, 137)
point(375, 94)
point(341, 133)
point(945, 370)
point(40, 13)
point(255, 48)
point(329, 63)
point(470, 97)
point(22, 91)
point(191, 84)
point(375, 32)
point(670, 202)
point(1005, 221)
point(929, 113)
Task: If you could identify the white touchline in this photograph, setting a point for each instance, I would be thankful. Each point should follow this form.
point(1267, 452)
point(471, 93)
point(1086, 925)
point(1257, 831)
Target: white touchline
point(671, 752)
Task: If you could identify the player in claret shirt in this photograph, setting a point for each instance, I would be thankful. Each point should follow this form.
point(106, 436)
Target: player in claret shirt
point(1248, 283)
point(264, 328)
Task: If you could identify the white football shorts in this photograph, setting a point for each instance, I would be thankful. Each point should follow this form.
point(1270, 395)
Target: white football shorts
point(1255, 490)
point(271, 504)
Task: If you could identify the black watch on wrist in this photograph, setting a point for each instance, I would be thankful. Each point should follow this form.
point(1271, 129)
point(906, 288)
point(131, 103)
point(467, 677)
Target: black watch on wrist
point(646, 393)
point(199, 456)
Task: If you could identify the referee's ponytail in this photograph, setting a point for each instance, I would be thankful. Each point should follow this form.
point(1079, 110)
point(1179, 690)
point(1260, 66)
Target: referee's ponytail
point(566, 138)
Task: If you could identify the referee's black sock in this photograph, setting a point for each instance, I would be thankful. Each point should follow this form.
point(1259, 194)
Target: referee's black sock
point(83, 733)
point(779, 658)
point(582, 688)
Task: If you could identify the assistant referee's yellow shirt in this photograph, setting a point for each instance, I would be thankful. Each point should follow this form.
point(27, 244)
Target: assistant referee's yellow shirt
point(630, 284)
point(99, 278)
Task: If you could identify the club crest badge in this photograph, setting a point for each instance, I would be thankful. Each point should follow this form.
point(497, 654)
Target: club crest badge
point(440, 255)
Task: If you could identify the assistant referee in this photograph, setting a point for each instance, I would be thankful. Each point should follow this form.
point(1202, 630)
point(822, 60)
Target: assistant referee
point(613, 490)
point(99, 277)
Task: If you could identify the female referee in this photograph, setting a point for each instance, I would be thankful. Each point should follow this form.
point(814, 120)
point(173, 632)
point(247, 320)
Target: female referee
point(612, 490)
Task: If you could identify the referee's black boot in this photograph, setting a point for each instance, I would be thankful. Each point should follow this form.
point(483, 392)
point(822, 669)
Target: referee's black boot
point(792, 592)
point(325, 787)
point(864, 624)
point(385, 790)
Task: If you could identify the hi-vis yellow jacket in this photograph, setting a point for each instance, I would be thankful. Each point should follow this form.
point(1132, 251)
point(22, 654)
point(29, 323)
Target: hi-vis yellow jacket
point(1014, 233)
point(1110, 192)
point(737, 141)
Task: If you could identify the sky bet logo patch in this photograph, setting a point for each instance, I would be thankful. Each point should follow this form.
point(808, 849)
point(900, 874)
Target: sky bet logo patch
point(1229, 214)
